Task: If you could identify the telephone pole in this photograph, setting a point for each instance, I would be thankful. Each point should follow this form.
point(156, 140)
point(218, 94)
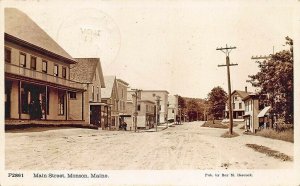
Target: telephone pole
point(157, 110)
point(266, 57)
point(226, 51)
point(136, 93)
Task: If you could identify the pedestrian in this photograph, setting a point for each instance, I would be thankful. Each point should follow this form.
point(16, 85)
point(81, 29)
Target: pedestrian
point(125, 125)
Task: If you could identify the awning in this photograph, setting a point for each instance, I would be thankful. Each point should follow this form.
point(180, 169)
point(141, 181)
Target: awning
point(263, 112)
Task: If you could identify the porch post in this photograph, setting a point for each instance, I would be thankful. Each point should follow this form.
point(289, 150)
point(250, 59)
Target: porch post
point(82, 102)
point(99, 125)
point(19, 99)
point(46, 105)
point(66, 105)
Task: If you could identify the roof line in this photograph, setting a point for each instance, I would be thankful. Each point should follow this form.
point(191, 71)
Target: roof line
point(33, 47)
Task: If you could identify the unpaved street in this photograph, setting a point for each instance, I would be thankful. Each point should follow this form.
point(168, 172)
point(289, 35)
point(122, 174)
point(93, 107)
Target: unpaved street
point(187, 146)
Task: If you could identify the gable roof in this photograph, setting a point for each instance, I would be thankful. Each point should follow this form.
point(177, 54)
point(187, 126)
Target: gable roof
point(109, 85)
point(242, 94)
point(122, 81)
point(21, 28)
point(85, 70)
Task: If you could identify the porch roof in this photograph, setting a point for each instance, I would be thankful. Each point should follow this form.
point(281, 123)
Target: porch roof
point(263, 112)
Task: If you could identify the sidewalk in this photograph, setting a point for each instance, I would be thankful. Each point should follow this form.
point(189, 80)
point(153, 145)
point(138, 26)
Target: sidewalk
point(160, 127)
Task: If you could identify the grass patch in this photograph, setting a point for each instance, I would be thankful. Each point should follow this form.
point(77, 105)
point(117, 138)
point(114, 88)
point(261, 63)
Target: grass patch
point(242, 127)
point(287, 135)
point(217, 124)
point(270, 152)
point(228, 135)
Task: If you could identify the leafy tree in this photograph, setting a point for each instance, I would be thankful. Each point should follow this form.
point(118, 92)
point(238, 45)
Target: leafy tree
point(194, 109)
point(275, 80)
point(217, 100)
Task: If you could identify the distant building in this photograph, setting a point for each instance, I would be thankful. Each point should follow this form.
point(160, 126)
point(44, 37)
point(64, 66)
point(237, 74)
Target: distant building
point(163, 107)
point(172, 107)
point(251, 111)
point(145, 111)
point(38, 88)
point(238, 105)
point(122, 95)
point(110, 97)
point(89, 71)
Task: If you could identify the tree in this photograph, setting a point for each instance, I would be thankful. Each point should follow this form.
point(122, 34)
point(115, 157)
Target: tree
point(194, 109)
point(217, 100)
point(275, 80)
point(182, 105)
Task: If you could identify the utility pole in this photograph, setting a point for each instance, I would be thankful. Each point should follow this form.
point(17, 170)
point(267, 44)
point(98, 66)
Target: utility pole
point(157, 110)
point(226, 51)
point(136, 93)
point(266, 57)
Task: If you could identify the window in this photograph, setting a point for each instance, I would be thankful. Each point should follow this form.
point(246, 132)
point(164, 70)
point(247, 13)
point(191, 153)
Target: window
point(61, 103)
point(55, 70)
point(7, 55)
point(122, 93)
point(172, 110)
point(93, 93)
point(22, 60)
point(33, 63)
point(98, 91)
point(25, 100)
point(139, 107)
point(64, 72)
point(146, 108)
point(233, 105)
point(48, 101)
point(240, 105)
point(44, 66)
point(72, 95)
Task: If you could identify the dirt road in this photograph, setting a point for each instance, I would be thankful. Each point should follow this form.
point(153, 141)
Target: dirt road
point(187, 146)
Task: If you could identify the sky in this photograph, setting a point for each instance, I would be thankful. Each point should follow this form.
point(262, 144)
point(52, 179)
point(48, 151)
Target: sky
point(168, 45)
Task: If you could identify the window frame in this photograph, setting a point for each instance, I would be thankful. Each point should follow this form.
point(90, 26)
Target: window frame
point(22, 54)
point(31, 67)
point(57, 70)
point(45, 62)
point(64, 72)
point(61, 104)
point(5, 55)
point(72, 95)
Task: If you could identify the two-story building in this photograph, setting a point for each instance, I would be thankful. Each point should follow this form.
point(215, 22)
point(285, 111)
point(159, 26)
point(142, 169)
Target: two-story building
point(163, 105)
point(122, 87)
point(238, 105)
point(251, 111)
point(37, 76)
point(111, 98)
point(172, 107)
point(89, 71)
point(145, 117)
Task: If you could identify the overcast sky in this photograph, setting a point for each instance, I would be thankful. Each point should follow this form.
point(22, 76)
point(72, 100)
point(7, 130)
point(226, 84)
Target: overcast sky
point(169, 45)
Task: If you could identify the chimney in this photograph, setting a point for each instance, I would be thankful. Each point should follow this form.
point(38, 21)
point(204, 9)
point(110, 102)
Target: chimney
point(245, 88)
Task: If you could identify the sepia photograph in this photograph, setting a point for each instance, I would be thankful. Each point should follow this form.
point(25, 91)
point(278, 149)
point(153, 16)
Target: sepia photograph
point(94, 90)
